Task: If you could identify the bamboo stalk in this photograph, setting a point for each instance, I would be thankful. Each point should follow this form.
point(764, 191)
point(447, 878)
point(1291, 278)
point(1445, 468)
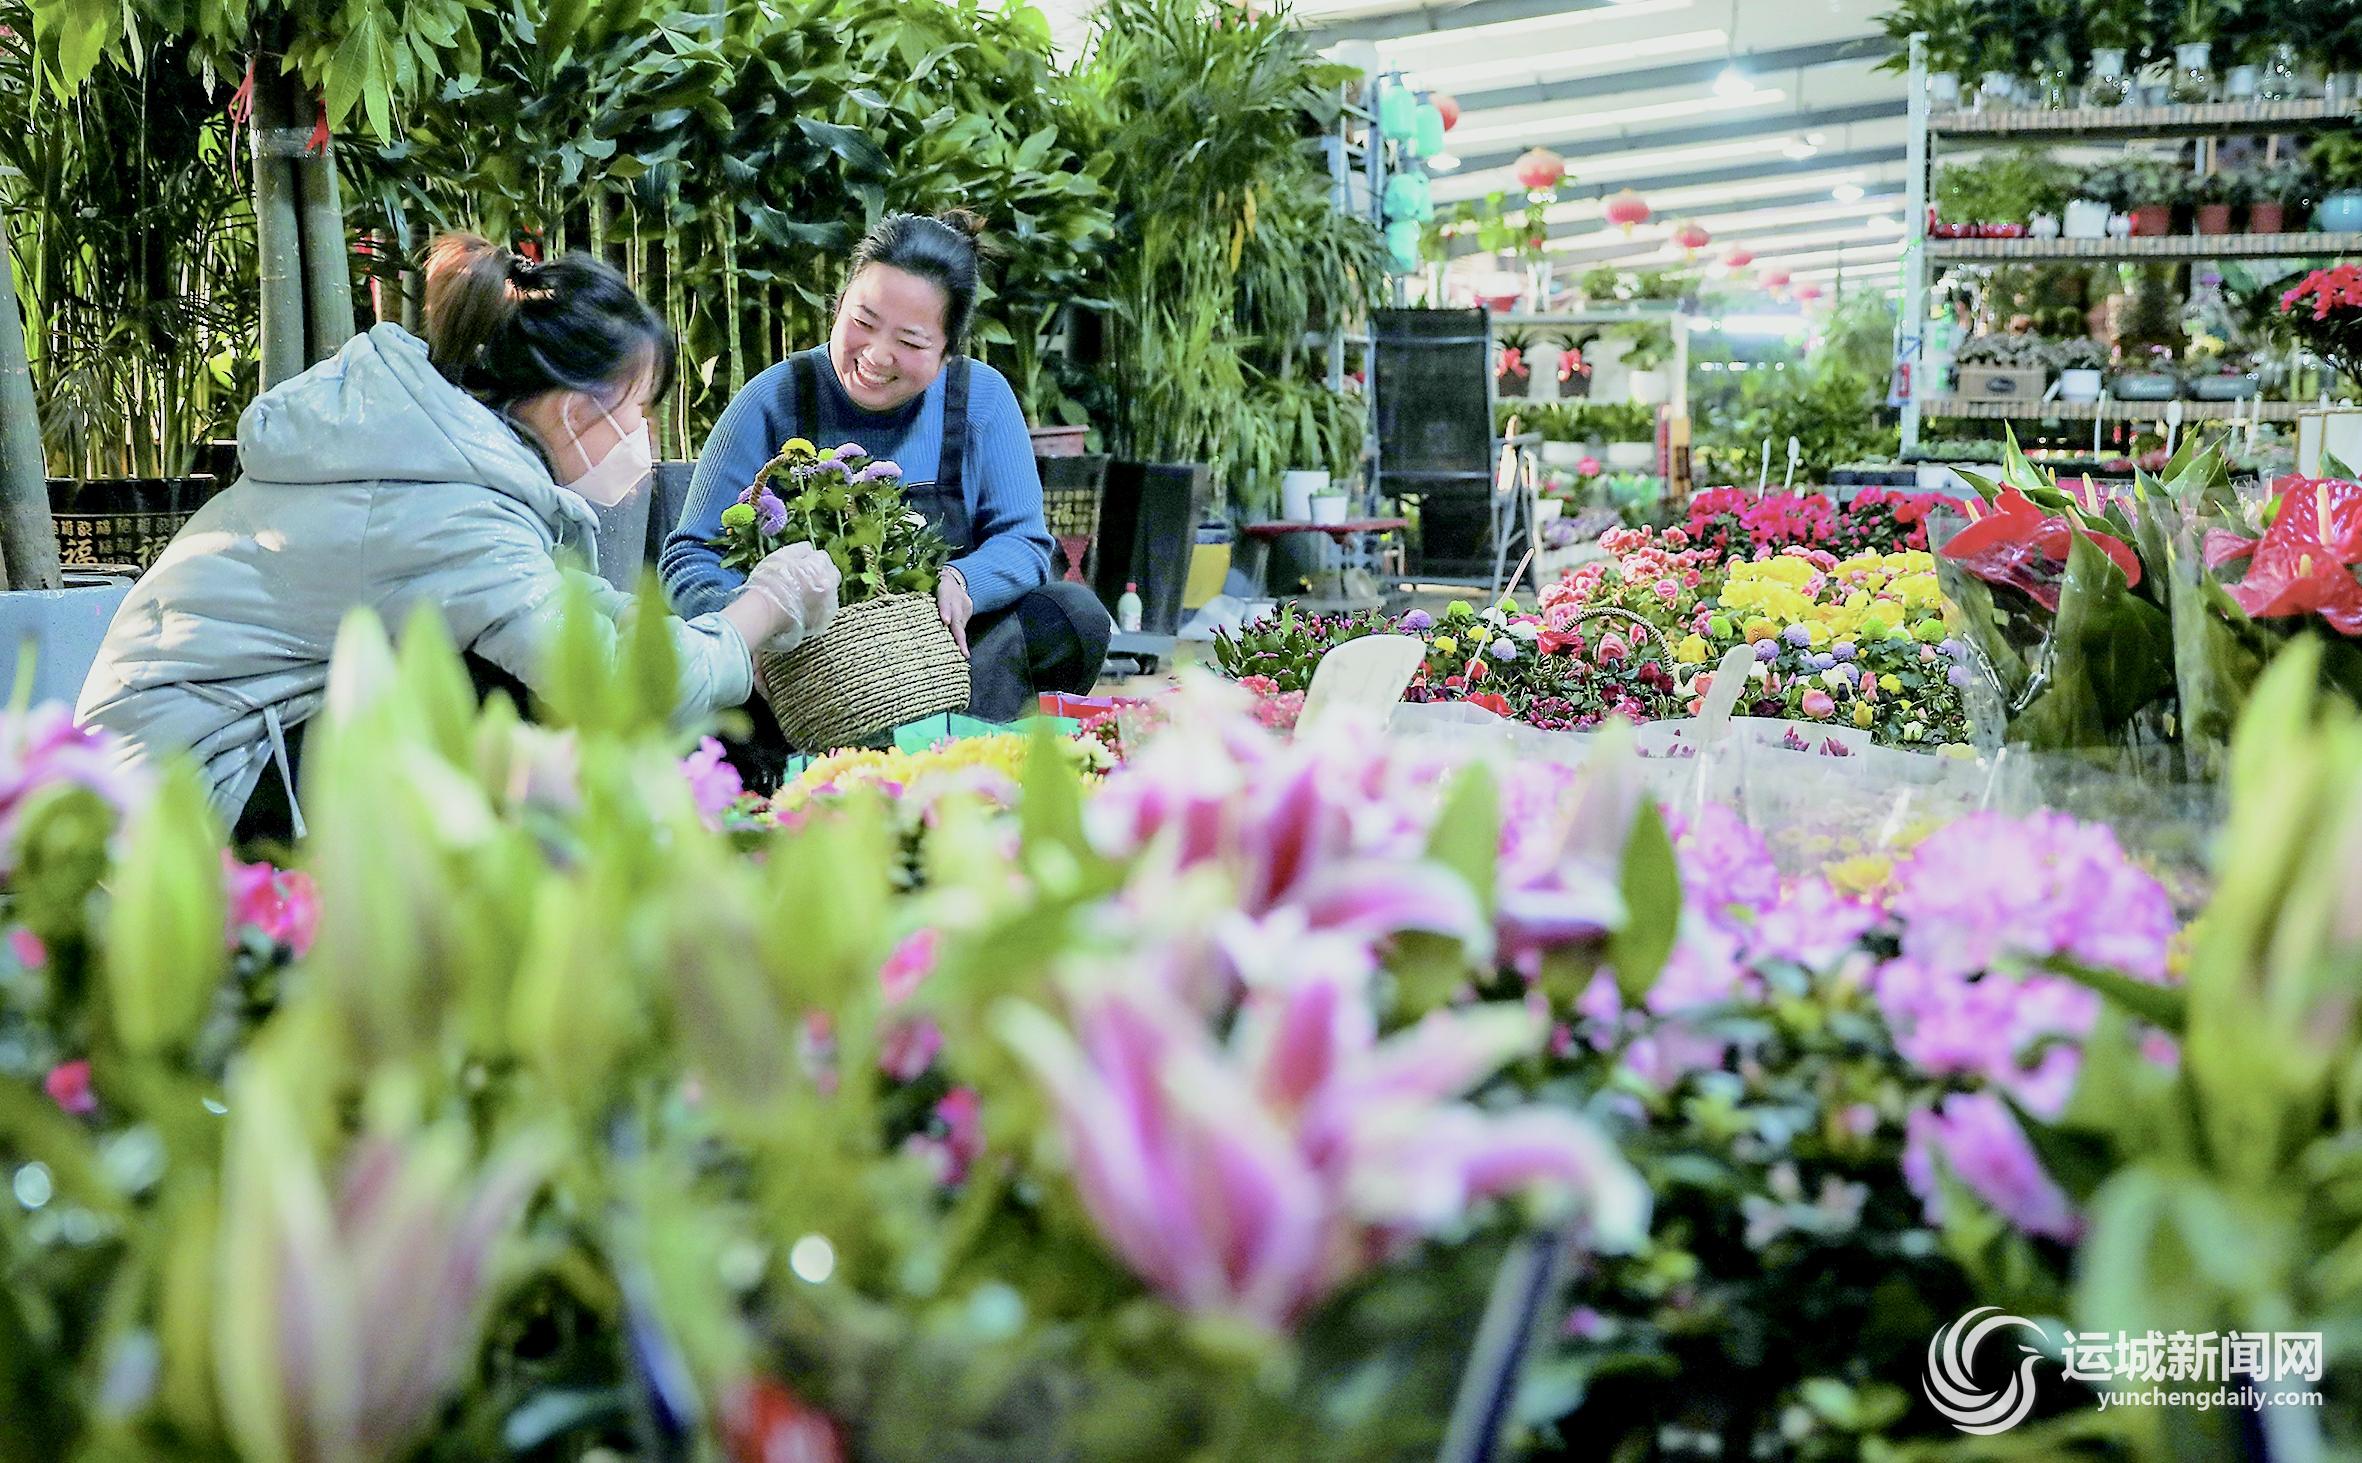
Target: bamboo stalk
point(28, 536)
point(279, 239)
point(326, 252)
point(731, 321)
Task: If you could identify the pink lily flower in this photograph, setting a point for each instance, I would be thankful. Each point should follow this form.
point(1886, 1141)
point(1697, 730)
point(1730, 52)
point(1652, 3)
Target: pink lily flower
point(1251, 1177)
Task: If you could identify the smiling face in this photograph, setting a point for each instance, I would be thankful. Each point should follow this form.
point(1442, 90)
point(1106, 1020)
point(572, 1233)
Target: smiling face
point(888, 344)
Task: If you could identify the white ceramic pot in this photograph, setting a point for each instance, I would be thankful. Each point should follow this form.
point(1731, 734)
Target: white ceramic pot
point(1546, 509)
point(2085, 220)
point(2320, 435)
point(2078, 383)
point(1329, 508)
point(1564, 454)
point(1943, 91)
point(2119, 225)
point(1296, 490)
point(1651, 388)
point(2239, 83)
point(1631, 456)
point(2042, 226)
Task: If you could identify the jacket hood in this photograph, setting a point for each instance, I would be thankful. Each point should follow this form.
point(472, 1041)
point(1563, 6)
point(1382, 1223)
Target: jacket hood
point(378, 410)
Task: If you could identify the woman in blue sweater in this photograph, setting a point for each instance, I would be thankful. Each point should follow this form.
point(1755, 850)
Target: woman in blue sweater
point(891, 379)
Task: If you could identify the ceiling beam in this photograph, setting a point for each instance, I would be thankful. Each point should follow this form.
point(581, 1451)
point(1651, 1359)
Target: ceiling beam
point(1578, 228)
point(1686, 73)
point(1763, 242)
point(1628, 141)
point(1737, 172)
point(1420, 20)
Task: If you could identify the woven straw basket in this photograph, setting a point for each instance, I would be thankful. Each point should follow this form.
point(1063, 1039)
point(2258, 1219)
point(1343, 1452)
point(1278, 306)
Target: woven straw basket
point(883, 662)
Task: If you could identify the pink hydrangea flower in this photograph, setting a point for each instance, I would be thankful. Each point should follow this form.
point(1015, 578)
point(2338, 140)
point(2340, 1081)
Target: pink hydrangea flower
point(1975, 1138)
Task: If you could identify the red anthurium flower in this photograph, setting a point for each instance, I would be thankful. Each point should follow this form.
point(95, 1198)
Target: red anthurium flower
point(764, 1422)
point(2015, 543)
point(1496, 704)
point(2304, 562)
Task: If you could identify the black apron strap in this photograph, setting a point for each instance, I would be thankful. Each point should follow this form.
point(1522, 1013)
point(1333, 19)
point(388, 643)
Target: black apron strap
point(955, 430)
point(804, 367)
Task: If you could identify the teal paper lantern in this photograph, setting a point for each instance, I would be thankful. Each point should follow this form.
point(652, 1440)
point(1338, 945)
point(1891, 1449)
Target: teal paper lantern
point(1402, 196)
point(1398, 113)
point(1428, 141)
point(1402, 245)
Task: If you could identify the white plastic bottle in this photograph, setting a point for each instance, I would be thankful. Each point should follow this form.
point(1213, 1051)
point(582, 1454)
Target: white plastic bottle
point(1127, 610)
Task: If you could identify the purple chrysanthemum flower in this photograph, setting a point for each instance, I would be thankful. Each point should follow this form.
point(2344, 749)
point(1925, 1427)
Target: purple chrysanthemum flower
point(1767, 650)
point(1416, 621)
point(1797, 635)
point(1843, 650)
point(770, 513)
point(1959, 676)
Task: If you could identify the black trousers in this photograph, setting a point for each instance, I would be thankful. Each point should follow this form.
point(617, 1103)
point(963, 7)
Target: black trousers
point(1053, 639)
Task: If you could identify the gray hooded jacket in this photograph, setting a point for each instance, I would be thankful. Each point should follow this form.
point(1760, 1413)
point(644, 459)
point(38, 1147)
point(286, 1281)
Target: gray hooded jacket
point(367, 480)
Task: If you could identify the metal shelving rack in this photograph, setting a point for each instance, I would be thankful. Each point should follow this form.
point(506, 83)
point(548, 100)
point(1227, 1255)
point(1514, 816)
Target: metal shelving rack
point(1356, 150)
point(2206, 120)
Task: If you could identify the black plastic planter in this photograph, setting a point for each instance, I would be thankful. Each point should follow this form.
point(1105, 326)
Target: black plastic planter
point(1148, 518)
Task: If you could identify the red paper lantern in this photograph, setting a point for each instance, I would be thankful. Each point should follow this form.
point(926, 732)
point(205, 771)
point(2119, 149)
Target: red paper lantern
point(1775, 279)
point(1692, 237)
point(1739, 257)
point(1450, 107)
point(1808, 292)
point(1538, 169)
point(1626, 210)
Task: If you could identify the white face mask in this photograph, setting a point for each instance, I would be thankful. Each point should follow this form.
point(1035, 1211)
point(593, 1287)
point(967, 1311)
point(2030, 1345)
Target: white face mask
point(619, 474)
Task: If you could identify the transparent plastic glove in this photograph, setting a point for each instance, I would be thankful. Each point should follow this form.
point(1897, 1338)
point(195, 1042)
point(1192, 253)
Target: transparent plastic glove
point(800, 583)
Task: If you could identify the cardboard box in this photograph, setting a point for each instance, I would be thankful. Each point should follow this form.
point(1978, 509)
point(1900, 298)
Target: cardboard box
point(2001, 383)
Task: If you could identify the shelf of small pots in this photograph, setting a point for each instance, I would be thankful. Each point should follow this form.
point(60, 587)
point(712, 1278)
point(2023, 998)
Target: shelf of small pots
point(1941, 229)
point(2078, 362)
point(2013, 367)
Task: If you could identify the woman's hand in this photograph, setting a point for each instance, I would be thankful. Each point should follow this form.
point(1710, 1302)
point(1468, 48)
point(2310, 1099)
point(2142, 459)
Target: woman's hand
point(790, 597)
point(953, 606)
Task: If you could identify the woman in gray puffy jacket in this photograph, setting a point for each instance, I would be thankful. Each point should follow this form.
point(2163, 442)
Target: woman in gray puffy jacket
point(446, 472)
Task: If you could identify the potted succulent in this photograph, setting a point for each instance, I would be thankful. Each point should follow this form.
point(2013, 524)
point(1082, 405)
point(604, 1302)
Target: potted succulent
point(2210, 196)
point(2270, 190)
point(2078, 362)
point(2011, 367)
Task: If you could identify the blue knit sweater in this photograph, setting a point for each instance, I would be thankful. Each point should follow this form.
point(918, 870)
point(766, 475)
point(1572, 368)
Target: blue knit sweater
point(1003, 487)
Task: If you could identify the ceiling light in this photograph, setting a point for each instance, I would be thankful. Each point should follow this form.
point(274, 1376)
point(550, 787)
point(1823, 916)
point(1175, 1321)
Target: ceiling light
point(1732, 83)
point(1816, 138)
point(1442, 162)
point(1885, 223)
point(1797, 152)
point(1846, 192)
